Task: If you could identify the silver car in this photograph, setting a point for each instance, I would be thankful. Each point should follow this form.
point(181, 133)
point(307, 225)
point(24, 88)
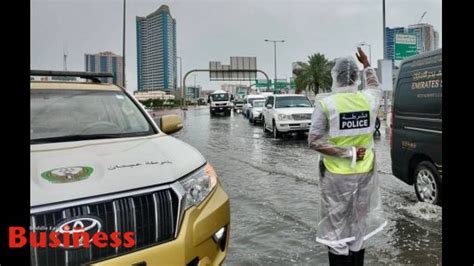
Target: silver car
point(255, 111)
point(248, 101)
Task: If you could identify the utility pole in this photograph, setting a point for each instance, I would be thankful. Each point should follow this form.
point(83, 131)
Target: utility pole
point(181, 78)
point(65, 59)
point(123, 46)
point(384, 37)
point(275, 56)
point(385, 94)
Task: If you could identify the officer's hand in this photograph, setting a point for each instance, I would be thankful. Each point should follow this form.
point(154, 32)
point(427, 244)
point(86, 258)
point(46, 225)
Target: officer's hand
point(360, 154)
point(362, 57)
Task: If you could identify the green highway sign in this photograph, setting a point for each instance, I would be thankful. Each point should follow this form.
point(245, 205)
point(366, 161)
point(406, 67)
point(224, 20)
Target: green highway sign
point(281, 84)
point(262, 83)
point(405, 46)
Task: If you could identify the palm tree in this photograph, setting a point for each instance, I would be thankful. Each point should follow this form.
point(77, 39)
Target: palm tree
point(314, 75)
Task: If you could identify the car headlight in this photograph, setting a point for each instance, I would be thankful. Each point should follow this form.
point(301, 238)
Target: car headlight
point(198, 185)
point(283, 117)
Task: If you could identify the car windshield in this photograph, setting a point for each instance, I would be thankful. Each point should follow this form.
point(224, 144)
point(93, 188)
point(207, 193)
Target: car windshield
point(73, 115)
point(258, 103)
point(220, 97)
point(292, 101)
point(253, 100)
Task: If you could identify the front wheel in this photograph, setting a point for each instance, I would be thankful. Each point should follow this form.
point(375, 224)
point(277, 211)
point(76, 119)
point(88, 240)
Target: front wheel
point(265, 130)
point(427, 183)
point(276, 133)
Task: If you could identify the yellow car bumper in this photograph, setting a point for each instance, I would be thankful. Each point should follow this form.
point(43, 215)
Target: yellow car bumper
point(195, 241)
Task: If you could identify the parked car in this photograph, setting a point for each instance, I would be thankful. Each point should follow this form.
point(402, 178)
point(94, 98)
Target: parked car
point(100, 164)
point(248, 100)
point(255, 111)
point(416, 125)
point(286, 113)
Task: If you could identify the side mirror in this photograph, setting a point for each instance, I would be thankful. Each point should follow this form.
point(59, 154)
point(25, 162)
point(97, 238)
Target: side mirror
point(231, 97)
point(170, 124)
point(269, 106)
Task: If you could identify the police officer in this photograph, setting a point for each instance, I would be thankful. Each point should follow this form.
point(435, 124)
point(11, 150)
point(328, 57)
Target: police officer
point(341, 131)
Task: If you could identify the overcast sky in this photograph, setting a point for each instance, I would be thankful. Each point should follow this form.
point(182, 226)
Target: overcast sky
point(216, 30)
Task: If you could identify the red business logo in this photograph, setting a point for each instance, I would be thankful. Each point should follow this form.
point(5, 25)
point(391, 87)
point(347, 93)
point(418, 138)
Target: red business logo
point(78, 232)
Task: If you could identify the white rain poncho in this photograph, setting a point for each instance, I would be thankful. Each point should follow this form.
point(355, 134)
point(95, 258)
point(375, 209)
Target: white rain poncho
point(351, 209)
point(344, 73)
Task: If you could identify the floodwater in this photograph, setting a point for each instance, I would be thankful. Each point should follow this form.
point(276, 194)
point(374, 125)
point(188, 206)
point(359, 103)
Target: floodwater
point(273, 185)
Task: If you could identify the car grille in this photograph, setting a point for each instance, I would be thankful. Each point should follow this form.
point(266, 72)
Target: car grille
point(301, 116)
point(221, 104)
point(152, 217)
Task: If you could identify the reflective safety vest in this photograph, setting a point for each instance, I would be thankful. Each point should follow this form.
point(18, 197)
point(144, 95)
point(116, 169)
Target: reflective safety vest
point(351, 117)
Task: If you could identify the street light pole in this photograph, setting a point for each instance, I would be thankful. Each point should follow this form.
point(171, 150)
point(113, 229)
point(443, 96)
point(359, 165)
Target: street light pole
point(123, 47)
point(385, 95)
point(181, 78)
point(384, 37)
point(274, 50)
point(275, 61)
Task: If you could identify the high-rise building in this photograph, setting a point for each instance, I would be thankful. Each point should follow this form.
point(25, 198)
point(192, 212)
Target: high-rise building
point(436, 40)
point(156, 51)
point(193, 92)
point(104, 62)
point(390, 40)
point(425, 35)
point(427, 39)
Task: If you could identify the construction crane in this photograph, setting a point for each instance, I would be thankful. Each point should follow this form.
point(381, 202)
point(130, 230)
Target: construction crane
point(422, 17)
point(65, 59)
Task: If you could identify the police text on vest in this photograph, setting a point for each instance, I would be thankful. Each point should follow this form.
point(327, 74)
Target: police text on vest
point(354, 120)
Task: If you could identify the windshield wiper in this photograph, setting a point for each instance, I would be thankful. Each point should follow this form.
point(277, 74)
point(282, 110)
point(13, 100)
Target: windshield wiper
point(85, 137)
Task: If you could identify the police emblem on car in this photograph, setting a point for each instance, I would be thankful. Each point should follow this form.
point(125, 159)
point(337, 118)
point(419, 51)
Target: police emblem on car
point(354, 120)
point(67, 174)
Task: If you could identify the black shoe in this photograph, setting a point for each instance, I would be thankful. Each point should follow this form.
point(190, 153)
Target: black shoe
point(340, 260)
point(358, 257)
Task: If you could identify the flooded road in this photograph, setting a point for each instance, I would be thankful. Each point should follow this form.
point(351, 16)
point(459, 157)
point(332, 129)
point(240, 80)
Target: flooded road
point(273, 185)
